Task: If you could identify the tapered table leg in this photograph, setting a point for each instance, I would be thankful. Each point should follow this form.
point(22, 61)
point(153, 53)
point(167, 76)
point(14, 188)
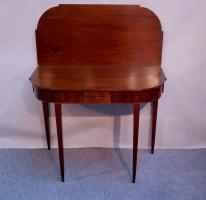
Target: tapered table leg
point(135, 139)
point(46, 122)
point(154, 122)
point(58, 114)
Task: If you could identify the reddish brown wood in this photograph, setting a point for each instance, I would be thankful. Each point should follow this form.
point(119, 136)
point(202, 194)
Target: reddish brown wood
point(99, 54)
point(58, 113)
point(113, 97)
point(101, 35)
point(154, 123)
point(135, 138)
point(96, 78)
point(96, 97)
point(46, 121)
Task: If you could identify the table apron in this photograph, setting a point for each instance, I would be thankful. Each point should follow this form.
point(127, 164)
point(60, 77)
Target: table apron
point(97, 97)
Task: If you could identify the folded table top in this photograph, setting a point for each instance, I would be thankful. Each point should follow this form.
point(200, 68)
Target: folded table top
point(98, 78)
point(99, 48)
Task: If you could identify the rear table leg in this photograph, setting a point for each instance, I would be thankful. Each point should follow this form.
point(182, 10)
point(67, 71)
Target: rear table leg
point(154, 123)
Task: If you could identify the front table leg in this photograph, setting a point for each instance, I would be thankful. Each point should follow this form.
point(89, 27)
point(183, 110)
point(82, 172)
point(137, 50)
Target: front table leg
point(45, 106)
point(135, 138)
point(58, 113)
point(154, 123)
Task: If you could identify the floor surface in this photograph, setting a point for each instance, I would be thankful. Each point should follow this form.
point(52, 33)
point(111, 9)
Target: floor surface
point(102, 174)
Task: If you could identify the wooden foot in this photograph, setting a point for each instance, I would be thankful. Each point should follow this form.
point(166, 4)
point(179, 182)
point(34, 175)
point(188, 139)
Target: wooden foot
point(46, 122)
point(135, 139)
point(58, 114)
point(154, 122)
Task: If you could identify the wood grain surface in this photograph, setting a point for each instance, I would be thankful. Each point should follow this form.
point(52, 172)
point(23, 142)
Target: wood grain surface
point(99, 54)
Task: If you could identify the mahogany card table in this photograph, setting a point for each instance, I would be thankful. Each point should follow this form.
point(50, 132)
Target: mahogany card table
point(98, 54)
